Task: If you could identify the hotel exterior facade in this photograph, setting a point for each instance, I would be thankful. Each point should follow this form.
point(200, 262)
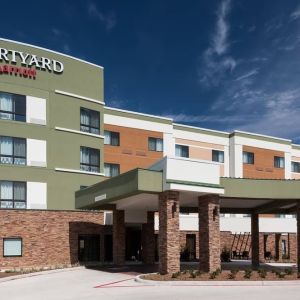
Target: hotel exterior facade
point(80, 181)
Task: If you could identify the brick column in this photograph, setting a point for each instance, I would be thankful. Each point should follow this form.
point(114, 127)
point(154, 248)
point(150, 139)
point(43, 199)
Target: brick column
point(278, 248)
point(257, 242)
point(298, 236)
point(209, 233)
point(148, 240)
point(119, 233)
point(169, 245)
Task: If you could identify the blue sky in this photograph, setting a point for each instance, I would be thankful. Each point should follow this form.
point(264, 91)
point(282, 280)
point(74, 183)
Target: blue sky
point(223, 64)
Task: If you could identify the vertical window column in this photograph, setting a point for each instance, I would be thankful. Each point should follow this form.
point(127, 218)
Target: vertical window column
point(111, 138)
point(89, 121)
point(12, 194)
point(182, 151)
point(111, 170)
point(12, 150)
point(89, 159)
point(12, 107)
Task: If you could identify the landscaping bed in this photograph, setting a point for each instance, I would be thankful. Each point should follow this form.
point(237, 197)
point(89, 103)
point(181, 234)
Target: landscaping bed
point(219, 275)
point(7, 274)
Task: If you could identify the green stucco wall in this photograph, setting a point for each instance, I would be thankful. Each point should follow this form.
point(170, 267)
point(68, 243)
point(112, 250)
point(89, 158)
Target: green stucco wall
point(63, 148)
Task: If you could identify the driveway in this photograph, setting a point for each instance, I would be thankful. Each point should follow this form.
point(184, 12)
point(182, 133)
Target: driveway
point(81, 283)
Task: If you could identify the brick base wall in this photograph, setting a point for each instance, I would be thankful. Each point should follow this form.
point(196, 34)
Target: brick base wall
point(49, 238)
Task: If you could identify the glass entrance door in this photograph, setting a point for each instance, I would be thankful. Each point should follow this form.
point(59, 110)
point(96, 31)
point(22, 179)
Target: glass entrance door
point(89, 248)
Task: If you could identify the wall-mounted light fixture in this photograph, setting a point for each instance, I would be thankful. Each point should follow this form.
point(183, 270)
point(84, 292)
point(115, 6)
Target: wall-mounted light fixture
point(215, 212)
point(174, 208)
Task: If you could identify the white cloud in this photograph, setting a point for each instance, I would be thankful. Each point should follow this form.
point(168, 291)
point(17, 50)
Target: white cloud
point(108, 19)
point(215, 62)
point(280, 117)
point(61, 37)
point(220, 38)
point(273, 113)
point(56, 31)
point(187, 118)
point(116, 103)
point(247, 75)
point(295, 14)
point(252, 28)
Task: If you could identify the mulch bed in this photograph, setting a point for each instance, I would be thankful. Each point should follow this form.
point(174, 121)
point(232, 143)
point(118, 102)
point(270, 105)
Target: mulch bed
point(223, 276)
point(7, 274)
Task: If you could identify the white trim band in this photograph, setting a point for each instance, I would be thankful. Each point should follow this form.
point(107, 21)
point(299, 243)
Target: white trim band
point(78, 171)
point(79, 97)
point(80, 132)
point(262, 135)
point(137, 113)
point(200, 128)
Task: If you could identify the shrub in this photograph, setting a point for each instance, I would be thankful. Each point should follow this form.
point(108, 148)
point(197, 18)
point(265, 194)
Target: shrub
point(193, 274)
point(298, 275)
point(213, 275)
point(288, 271)
point(225, 255)
point(175, 275)
point(232, 274)
point(262, 273)
point(218, 271)
point(281, 274)
point(248, 274)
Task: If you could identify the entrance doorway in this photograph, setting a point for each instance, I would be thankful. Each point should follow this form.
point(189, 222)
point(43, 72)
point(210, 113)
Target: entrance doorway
point(89, 248)
point(191, 246)
point(108, 248)
point(133, 244)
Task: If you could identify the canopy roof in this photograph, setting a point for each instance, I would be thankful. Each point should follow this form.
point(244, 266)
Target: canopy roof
point(138, 190)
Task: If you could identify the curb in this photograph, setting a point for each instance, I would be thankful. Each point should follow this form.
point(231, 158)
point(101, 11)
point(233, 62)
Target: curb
point(22, 276)
point(138, 279)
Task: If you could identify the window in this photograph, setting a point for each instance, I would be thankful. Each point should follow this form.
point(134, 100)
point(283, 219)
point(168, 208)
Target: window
point(248, 158)
point(111, 138)
point(283, 247)
point(181, 151)
point(89, 121)
point(295, 167)
point(155, 144)
point(89, 159)
point(111, 170)
point(218, 156)
point(12, 194)
point(12, 107)
point(12, 150)
point(12, 247)
point(278, 162)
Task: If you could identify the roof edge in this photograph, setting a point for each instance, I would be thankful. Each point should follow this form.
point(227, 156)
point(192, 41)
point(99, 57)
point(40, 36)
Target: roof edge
point(52, 51)
point(260, 135)
point(137, 113)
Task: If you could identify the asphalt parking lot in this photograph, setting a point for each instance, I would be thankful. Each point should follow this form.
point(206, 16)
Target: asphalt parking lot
point(81, 283)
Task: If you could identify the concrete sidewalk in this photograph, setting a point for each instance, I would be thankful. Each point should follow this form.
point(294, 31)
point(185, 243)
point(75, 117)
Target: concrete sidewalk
point(88, 284)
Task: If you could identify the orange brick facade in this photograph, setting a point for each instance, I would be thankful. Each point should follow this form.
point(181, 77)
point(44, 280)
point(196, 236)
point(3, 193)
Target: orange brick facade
point(263, 167)
point(133, 150)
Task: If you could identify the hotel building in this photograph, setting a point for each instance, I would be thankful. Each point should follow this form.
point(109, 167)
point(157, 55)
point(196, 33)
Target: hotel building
point(80, 181)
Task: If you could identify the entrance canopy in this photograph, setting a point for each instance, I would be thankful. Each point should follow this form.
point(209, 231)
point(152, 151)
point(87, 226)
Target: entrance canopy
point(137, 191)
